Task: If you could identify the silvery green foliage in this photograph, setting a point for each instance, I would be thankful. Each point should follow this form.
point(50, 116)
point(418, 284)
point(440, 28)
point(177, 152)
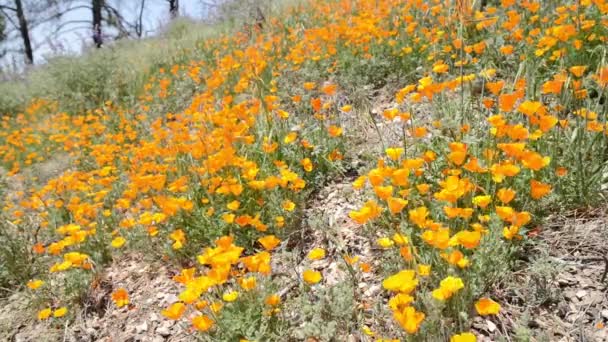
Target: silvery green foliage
point(325, 314)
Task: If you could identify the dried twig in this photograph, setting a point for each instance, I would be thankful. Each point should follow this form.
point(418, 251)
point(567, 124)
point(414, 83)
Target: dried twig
point(603, 278)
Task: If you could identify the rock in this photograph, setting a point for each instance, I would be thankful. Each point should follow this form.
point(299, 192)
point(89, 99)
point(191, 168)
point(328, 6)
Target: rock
point(166, 298)
point(570, 295)
point(491, 326)
point(163, 331)
point(594, 297)
point(589, 272)
point(534, 324)
point(165, 328)
point(82, 338)
point(562, 309)
point(141, 328)
point(171, 298)
point(581, 293)
point(585, 283)
point(572, 317)
point(479, 323)
point(601, 335)
point(565, 279)
point(19, 337)
point(90, 331)
point(372, 291)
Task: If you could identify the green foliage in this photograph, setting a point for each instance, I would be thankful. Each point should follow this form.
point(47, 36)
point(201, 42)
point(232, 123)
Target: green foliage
point(248, 318)
point(13, 97)
point(17, 263)
point(116, 72)
point(85, 83)
point(324, 313)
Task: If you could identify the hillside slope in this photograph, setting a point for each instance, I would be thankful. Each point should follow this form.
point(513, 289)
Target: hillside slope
point(343, 170)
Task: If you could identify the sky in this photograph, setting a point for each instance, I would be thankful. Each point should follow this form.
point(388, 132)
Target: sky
point(71, 33)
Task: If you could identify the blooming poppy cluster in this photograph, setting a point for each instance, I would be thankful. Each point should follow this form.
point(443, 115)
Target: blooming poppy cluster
point(232, 165)
point(219, 179)
point(225, 267)
point(456, 193)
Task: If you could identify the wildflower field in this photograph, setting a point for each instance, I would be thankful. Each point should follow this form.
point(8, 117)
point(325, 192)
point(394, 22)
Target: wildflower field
point(456, 128)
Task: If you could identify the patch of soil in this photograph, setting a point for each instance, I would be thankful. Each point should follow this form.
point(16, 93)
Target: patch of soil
point(150, 290)
point(327, 225)
point(562, 292)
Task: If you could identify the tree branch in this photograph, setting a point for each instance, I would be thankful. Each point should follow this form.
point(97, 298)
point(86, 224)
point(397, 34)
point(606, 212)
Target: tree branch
point(120, 23)
point(62, 25)
point(87, 7)
point(58, 15)
point(4, 7)
point(75, 29)
point(8, 17)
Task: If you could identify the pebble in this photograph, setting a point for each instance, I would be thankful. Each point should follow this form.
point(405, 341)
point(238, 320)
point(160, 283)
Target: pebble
point(565, 279)
point(165, 328)
point(535, 324)
point(372, 291)
point(594, 298)
point(19, 338)
point(143, 327)
point(491, 326)
point(570, 294)
point(163, 331)
point(581, 293)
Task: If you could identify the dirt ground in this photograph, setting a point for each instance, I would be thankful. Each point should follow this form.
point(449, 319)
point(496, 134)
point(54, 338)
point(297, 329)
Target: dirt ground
point(150, 290)
point(560, 290)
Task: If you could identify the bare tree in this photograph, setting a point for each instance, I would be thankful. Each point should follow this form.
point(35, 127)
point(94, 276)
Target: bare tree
point(2, 28)
point(139, 25)
point(2, 34)
point(106, 15)
point(19, 22)
point(29, 24)
point(97, 5)
point(25, 32)
point(115, 19)
point(173, 8)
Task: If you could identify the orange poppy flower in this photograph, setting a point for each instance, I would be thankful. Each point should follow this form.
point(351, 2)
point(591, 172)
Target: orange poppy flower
point(538, 189)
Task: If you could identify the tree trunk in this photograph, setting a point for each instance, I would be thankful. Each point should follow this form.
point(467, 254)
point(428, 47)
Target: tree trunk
point(2, 28)
point(97, 37)
point(139, 24)
point(25, 33)
point(174, 8)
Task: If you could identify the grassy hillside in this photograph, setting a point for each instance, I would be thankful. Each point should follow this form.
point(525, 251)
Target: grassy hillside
point(459, 128)
point(116, 72)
